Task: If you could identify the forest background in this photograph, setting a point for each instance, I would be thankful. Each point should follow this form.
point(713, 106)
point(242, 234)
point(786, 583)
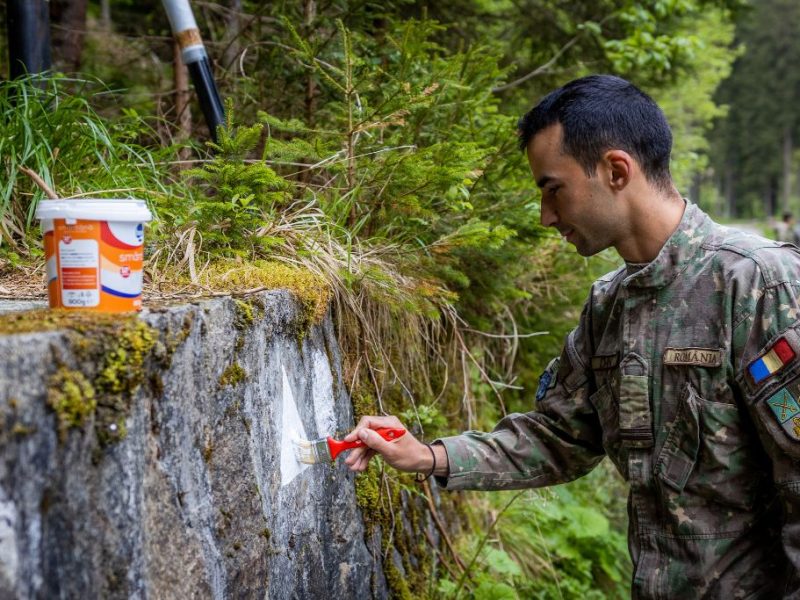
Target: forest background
point(370, 160)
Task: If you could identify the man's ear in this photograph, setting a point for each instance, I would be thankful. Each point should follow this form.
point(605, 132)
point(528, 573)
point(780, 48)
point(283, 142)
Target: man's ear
point(619, 169)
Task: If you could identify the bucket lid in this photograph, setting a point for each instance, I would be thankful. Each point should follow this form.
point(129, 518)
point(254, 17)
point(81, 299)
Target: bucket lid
point(95, 210)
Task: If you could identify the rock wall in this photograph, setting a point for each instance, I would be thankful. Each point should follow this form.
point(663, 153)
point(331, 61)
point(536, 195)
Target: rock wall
point(171, 487)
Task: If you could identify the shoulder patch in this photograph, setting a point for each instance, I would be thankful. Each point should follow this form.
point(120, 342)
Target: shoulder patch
point(784, 406)
point(772, 361)
point(548, 379)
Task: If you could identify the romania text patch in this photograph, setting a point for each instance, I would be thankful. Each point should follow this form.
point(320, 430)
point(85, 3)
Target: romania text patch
point(784, 406)
point(772, 361)
point(701, 357)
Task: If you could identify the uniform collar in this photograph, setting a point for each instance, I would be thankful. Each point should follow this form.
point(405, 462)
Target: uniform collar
point(676, 253)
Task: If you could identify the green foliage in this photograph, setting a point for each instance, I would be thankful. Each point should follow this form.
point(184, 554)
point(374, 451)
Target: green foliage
point(754, 143)
point(565, 542)
point(238, 194)
point(50, 127)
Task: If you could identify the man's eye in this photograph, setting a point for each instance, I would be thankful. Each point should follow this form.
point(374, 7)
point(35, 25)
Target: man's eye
point(553, 190)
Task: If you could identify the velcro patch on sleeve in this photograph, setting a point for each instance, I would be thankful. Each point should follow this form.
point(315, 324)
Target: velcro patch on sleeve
point(786, 410)
point(771, 361)
point(548, 379)
point(604, 362)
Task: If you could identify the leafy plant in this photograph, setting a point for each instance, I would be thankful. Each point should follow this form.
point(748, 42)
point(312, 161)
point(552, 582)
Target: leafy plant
point(51, 129)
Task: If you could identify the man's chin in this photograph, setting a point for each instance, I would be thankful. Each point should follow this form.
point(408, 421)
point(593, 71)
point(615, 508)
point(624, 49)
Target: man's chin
point(585, 250)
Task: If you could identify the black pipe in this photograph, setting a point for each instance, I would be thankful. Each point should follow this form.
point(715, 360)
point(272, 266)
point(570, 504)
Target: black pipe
point(207, 94)
point(193, 53)
point(28, 27)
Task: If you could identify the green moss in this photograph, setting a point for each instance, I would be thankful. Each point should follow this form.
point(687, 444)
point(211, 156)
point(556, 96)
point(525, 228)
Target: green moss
point(122, 364)
point(378, 498)
point(313, 293)
point(244, 318)
point(110, 351)
point(71, 395)
point(110, 426)
point(233, 375)
point(363, 404)
point(368, 491)
point(173, 340)
point(395, 580)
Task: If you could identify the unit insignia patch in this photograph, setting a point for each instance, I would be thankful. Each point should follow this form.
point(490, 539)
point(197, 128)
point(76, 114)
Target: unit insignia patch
point(548, 379)
point(786, 409)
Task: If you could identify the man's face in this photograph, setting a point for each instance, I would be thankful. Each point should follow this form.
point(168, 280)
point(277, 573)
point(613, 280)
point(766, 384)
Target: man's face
point(582, 208)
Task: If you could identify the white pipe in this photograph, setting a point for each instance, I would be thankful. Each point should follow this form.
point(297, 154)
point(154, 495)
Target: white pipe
point(184, 28)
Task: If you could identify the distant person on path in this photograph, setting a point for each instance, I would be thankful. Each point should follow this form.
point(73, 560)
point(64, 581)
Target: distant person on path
point(684, 368)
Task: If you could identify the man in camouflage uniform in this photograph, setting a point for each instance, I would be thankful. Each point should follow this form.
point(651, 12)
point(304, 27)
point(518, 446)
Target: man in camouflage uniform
point(684, 368)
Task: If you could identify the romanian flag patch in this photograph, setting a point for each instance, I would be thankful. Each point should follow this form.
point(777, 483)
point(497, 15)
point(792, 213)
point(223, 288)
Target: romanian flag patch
point(772, 361)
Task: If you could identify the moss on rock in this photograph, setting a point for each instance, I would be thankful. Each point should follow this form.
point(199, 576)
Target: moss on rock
point(233, 375)
point(71, 395)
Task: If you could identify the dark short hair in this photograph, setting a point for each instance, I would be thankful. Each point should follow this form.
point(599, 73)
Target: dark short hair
point(600, 113)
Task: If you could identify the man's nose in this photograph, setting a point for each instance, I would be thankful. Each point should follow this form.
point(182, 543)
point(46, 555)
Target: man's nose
point(548, 216)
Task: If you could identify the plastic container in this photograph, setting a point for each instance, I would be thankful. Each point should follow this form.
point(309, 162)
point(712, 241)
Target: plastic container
point(94, 252)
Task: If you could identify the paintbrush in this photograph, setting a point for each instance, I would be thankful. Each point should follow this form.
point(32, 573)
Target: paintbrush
point(327, 449)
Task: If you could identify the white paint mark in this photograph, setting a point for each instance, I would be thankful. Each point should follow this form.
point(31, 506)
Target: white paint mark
point(9, 560)
point(291, 429)
point(322, 389)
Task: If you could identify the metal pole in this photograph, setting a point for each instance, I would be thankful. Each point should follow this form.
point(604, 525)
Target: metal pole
point(28, 27)
point(193, 54)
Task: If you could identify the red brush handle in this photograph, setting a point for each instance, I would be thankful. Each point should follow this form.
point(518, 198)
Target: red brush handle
point(387, 433)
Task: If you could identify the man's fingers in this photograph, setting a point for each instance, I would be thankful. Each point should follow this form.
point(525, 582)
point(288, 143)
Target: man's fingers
point(374, 440)
point(366, 458)
point(359, 461)
point(373, 422)
point(354, 455)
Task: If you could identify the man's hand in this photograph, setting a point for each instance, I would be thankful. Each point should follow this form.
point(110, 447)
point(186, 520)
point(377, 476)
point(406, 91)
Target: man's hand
point(404, 454)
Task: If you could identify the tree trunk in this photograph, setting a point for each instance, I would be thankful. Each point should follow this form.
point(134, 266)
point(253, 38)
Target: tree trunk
point(105, 14)
point(28, 31)
point(68, 25)
point(233, 24)
point(183, 94)
point(729, 191)
point(694, 188)
point(788, 150)
point(310, 13)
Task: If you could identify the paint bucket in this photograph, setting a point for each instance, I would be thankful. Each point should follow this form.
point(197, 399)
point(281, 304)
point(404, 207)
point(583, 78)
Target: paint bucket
point(94, 252)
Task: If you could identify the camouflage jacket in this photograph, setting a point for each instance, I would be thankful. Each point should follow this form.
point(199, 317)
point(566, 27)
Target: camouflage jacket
point(686, 374)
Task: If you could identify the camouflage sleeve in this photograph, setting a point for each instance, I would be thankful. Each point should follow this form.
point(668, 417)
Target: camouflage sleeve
point(558, 442)
point(766, 350)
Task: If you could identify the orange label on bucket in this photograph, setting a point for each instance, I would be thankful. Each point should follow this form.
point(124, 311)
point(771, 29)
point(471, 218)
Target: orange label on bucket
point(98, 264)
point(78, 261)
point(78, 279)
